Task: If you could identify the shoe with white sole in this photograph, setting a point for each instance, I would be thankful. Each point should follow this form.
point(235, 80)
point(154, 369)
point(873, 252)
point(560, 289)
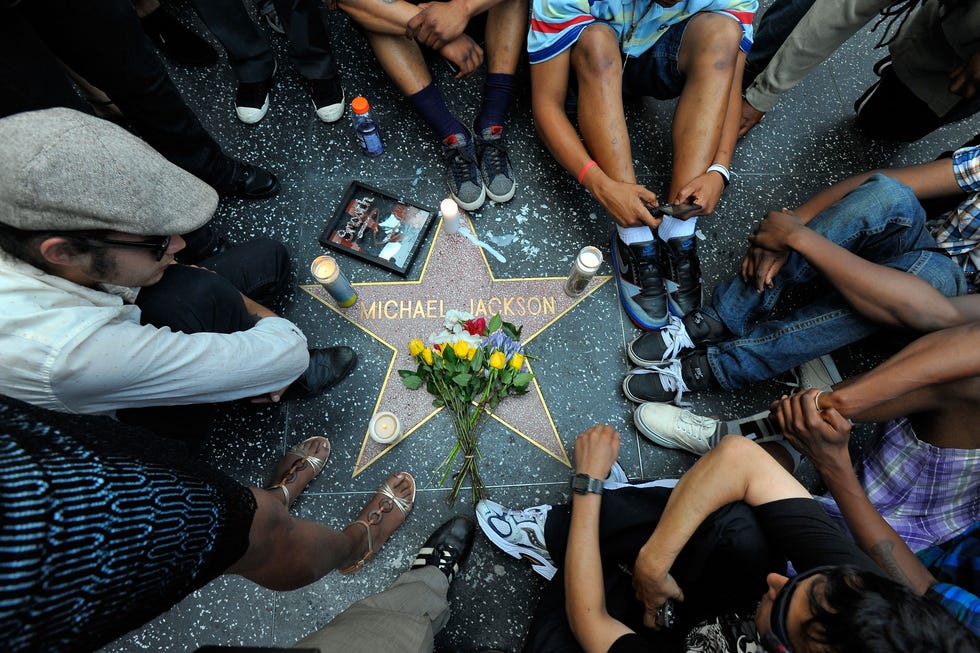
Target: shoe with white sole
point(252, 99)
point(519, 533)
point(677, 428)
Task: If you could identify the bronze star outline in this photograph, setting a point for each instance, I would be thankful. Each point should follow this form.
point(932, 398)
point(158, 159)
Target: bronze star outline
point(453, 276)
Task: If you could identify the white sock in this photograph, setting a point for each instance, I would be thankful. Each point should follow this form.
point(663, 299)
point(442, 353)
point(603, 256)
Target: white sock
point(630, 235)
point(674, 228)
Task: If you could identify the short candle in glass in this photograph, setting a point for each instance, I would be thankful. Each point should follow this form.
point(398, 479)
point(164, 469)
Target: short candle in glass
point(583, 269)
point(450, 215)
point(385, 428)
point(327, 272)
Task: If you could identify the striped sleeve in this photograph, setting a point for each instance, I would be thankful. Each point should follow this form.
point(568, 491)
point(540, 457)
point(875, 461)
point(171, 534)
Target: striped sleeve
point(744, 12)
point(555, 26)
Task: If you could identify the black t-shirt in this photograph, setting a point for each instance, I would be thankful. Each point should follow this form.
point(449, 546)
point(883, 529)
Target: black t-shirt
point(801, 530)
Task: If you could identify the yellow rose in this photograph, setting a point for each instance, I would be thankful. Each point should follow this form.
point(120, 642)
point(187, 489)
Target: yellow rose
point(517, 362)
point(427, 356)
point(461, 347)
point(470, 353)
point(497, 360)
point(415, 347)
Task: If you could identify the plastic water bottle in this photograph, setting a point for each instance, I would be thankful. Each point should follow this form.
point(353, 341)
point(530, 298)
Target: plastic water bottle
point(368, 133)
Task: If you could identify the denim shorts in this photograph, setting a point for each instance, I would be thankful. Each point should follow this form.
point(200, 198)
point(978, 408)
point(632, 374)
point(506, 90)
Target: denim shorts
point(655, 72)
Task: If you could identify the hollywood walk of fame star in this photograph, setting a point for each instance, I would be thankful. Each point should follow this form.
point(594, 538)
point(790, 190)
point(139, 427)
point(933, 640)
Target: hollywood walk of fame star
point(456, 275)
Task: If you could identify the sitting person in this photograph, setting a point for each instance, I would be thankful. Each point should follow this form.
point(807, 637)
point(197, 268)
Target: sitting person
point(875, 214)
point(96, 315)
point(644, 565)
point(692, 50)
point(107, 526)
point(477, 164)
point(929, 78)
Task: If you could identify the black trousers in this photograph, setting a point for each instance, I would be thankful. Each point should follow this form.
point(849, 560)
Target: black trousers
point(102, 41)
point(305, 22)
point(195, 300)
point(722, 569)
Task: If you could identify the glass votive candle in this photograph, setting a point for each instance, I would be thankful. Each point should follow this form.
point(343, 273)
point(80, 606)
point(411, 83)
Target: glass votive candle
point(385, 428)
point(326, 271)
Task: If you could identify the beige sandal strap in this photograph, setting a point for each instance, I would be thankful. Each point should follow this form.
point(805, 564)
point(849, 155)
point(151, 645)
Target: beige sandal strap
point(285, 491)
point(403, 505)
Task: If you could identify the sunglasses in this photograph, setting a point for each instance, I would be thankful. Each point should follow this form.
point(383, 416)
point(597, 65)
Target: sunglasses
point(157, 245)
point(777, 640)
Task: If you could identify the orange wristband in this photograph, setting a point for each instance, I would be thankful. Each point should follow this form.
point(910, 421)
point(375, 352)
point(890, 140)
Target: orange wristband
point(585, 169)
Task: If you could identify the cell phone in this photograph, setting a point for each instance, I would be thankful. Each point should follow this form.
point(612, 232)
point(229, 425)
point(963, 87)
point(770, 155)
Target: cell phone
point(453, 68)
point(682, 210)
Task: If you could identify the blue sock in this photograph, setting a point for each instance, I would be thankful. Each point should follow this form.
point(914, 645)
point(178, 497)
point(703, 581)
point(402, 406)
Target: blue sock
point(429, 104)
point(496, 98)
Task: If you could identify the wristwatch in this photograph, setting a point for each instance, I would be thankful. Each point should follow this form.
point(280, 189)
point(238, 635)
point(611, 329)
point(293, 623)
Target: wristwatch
point(585, 484)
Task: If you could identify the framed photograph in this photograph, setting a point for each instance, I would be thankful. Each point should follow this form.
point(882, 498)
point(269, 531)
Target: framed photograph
point(377, 227)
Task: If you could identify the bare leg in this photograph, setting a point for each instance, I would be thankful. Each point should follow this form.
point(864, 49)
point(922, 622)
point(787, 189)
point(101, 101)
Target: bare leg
point(402, 59)
point(707, 56)
point(598, 67)
point(505, 35)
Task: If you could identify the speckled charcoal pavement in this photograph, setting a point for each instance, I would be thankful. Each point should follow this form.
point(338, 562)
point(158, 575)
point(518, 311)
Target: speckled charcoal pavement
point(805, 144)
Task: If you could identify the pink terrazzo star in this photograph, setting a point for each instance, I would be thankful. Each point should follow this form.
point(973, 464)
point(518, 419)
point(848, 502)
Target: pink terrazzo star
point(456, 275)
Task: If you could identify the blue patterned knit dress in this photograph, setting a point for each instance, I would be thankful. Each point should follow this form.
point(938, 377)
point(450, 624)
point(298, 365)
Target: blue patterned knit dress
point(103, 527)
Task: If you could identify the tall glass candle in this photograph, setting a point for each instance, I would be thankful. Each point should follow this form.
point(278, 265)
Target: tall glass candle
point(450, 215)
point(327, 272)
point(583, 269)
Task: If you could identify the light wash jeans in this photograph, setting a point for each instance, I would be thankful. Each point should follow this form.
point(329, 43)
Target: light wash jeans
point(882, 221)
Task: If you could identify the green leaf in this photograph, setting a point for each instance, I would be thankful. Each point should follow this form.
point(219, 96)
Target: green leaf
point(448, 355)
point(507, 376)
point(438, 402)
point(495, 323)
point(412, 382)
point(404, 373)
point(477, 363)
point(462, 379)
point(522, 379)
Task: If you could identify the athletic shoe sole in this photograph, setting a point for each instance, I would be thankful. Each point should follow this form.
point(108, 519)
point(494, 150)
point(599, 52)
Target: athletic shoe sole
point(542, 566)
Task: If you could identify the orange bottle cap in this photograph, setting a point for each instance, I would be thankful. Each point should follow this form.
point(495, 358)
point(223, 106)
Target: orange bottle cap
point(360, 104)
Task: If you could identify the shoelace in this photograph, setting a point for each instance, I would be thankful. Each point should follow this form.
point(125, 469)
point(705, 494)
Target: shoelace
point(461, 164)
point(670, 378)
point(495, 155)
point(675, 338)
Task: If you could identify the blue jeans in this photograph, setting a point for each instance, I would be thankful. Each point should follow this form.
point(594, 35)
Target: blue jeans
point(883, 222)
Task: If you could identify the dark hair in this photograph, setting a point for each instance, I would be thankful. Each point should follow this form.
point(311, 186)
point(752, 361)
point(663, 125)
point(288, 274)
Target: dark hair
point(25, 245)
point(857, 611)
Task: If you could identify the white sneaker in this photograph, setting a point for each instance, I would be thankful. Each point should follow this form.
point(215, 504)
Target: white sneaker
point(519, 533)
point(676, 428)
point(820, 373)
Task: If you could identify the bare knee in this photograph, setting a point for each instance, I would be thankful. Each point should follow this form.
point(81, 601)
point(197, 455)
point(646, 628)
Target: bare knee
point(596, 53)
point(711, 45)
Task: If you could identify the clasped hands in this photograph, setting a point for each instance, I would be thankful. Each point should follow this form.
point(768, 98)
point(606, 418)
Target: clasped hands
point(769, 247)
point(440, 26)
point(815, 429)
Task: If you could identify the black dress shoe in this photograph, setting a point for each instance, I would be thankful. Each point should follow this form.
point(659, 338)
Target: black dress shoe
point(447, 547)
point(181, 44)
point(250, 182)
point(327, 368)
point(200, 244)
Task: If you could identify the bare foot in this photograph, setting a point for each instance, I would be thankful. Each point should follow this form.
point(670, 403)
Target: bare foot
point(375, 525)
point(298, 467)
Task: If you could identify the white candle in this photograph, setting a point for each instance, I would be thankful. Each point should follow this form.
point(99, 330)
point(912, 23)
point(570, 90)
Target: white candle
point(385, 428)
point(325, 270)
point(450, 215)
point(583, 269)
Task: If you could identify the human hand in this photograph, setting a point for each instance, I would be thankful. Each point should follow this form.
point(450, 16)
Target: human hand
point(965, 79)
point(465, 53)
point(776, 230)
point(653, 588)
point(628, 204)
point(596, 449)
point(437, 24)
point(819, 434)
point(750, 118)
point(760, 266)
point(704, 190)
point(271, 398)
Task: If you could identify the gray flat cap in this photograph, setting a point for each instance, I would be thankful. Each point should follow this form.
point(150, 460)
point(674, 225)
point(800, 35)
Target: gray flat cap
point(66, 171)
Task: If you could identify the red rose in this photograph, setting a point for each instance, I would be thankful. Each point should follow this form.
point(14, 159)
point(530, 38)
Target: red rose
point(476, 326)
point(437, 347)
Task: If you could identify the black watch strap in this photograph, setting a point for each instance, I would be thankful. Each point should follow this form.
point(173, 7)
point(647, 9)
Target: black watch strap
point(585, 484)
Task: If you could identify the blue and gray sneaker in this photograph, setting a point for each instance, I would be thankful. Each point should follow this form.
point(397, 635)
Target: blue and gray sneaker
point(519, 533)
point(463, 172)
point(498, 176)
point(640, 282)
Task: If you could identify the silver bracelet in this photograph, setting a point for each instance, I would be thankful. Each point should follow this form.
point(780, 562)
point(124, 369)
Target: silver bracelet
point(725, 173)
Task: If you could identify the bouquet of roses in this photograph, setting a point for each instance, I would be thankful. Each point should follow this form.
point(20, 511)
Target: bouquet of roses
point(469, 368)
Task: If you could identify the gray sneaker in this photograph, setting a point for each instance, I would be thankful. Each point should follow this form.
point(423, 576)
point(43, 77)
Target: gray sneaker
point(498, 176)
point(676, 428)
point(519, 533)
point(462, 172)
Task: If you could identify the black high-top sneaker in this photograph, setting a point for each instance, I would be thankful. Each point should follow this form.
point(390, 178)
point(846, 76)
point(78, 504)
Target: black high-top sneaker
point(640, 283)
point(682, 269)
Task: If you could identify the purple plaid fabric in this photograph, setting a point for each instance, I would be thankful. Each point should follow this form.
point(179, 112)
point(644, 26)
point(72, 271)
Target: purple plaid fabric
point(927, 494)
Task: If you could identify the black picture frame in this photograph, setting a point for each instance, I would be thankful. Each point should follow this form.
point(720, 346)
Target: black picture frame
point(377, 227)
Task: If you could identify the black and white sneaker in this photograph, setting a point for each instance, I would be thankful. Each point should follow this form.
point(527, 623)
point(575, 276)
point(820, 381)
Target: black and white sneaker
point(668, 382)
point(447, 547)
point(328, 98)
point(252, 99)
point(640, 282)
point(679, 335)
point(518, 533)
